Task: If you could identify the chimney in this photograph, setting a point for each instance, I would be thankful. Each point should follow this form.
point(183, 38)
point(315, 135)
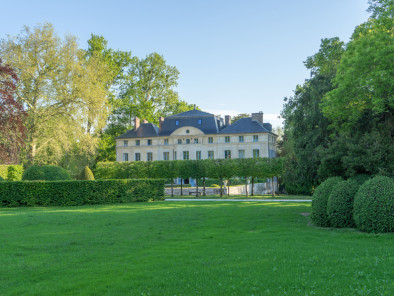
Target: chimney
point(227, 120)
point(161, 120)
point(258, 117)
point(145, 121)
point(136, 123)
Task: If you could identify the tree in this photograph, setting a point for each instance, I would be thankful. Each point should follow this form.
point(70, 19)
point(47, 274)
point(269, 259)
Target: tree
point(239, 116)
point(243, 168)
point(218, 170)
point(184, 171)
point(169, 170)
point(64, 94)
point(196, 168)
point(229, 172)
point(12, 129)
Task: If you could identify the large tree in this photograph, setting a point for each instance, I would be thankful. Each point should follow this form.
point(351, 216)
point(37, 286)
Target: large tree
point(12, 129)
point(63, 93)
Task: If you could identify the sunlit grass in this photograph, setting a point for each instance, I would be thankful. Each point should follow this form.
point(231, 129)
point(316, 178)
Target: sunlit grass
point(185, 248)
point(261, 196)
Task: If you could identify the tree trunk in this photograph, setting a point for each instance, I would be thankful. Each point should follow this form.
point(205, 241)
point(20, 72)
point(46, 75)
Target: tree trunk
point(228, 187)
point(181, 187)
point(272, 186)
point(196, 187)
point(252, 186)
point(246, 186)
point(204, 194)
point(172, 187)
point(221, 187)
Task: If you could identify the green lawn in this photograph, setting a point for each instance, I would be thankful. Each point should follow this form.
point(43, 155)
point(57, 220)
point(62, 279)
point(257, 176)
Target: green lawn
point(187, 248)
point(264, 196)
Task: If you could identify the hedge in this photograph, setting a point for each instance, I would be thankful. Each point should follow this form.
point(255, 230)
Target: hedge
point(46, 173)
point(14, 172)
point(340, 204)
point(86, 174)
point(76, 193)
point(374, 205)
point(319, 201)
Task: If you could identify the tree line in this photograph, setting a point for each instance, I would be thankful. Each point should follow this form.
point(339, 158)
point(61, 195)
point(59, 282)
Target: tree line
point(340, 121)
point(249, 169)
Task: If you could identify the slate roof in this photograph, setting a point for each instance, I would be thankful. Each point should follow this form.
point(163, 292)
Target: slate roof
point(146, 130)
point(191, 113)
point(209, 123)
point(246, 125)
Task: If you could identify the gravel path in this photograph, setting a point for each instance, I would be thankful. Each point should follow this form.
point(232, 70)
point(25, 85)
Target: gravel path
point(218, 199)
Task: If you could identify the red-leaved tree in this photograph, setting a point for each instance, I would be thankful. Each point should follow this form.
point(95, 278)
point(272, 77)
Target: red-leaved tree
point(12, 129)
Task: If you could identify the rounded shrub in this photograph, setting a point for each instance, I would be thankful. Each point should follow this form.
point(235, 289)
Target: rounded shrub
point(86, 174)
point(319, 201)
point(361, 178)
point(35, 172)
point(374, 205)
point(340, 204)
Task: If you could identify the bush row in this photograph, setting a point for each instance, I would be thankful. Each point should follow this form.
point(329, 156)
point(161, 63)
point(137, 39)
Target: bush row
point(76, 193)
point(11, 172)
point(366, 204)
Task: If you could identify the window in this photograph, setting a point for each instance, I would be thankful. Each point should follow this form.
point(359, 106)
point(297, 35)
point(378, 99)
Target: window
point(256, 153)
point(125, 143)
point(179, 141)
point(166, 155)
point(195, 140)
point(210, 155)
point(149, 142)
point(125, 157)
point(165, 141)
point(227, 139)
point(199, 121)
point(198, 155)
point(185, 155)
point(149, 156)
point(187, 141)
point(210, 140)
point(227, 154)
point(137, 142)
point(255, 138)
point(174, 155)
point(241, 139)
point(241, 153)
point(176, 122)
point(137, 157)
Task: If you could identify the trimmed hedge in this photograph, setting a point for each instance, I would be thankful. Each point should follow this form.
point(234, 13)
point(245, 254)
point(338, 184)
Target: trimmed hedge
point(77, 193)
point(340, 204)
point(374, 205)
point(46, 173)
point(11, 172)
point(319, 201)
point(86, 174)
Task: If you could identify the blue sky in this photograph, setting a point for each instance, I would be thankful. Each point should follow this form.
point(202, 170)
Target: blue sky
point(233, 56)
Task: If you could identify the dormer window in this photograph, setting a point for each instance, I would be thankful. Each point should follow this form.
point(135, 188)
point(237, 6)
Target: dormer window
point(149, 142)
point(199, 121)
point(176, 122)
point(125, 143)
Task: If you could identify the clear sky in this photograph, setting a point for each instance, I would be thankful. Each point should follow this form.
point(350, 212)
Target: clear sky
point(233, 56)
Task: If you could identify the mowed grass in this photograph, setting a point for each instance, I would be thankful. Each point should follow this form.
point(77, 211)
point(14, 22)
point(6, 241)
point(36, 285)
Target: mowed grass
point(261, 196)
point(187, 248)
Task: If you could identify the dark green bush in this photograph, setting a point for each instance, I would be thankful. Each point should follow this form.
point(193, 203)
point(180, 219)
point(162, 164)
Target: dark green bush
point(76, 193)
point(340, 204)
point(360, 179)
point(374, 205)
point(319, 201)
point(46, 173)
point(1, 178)
point(86, 174)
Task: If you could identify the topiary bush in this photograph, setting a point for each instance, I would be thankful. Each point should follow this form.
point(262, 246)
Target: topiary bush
point(86, 174)
point(374, 205)
point(46, 173)
point(340, 204)
point(319, 201)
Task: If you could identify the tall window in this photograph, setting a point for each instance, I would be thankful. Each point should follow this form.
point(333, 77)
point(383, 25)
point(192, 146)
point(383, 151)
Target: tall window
point(149, 156)
point(256, 153)
point(227, 154)
point(227, 139)
point(241, 139)
point(137, 142)
point(125, 143)
point(255, 138)
point(210, 155)
point(198, 155)
point(210, 140)
point(166, 155)
point(149, 142)
point(165, 141)
point(179, 141)
point(176, 122)
point(199, 121)
point(241, 153)
point(137, 157)
point(195, 140)
point(174, 155)
point(187, 141)
point(125, 157)
point(185, 155)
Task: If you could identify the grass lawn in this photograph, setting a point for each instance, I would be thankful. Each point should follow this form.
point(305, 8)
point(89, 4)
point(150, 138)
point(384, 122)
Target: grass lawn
point(264, 196)
point(187, 248)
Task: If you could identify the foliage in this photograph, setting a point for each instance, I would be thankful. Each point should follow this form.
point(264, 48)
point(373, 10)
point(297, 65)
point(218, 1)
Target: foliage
point(64, 93)
point(340, 204)
point(374, 205)
point(12, 128)
point(239, 116)
point(14, 173)
point(1, 178)
point(319, 201)
point(86, 174)
point(360, 179)
point(75, 193)
point(46, 172)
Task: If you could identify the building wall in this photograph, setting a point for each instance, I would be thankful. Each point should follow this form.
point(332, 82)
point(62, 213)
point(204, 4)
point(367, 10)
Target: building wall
point(265, 143)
